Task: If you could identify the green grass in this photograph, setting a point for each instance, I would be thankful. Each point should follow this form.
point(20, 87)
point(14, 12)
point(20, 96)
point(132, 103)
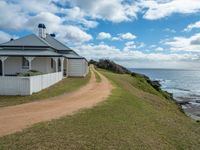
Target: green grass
point(64, 86)
point(97, 76)
point(131, 118)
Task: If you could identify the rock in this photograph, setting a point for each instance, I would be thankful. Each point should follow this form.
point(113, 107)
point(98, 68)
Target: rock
point(182, 102)
point(197, 101)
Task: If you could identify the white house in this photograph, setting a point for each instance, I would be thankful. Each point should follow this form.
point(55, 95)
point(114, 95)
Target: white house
point(42, 53)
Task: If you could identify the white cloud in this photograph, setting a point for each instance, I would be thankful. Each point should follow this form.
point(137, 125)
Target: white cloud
point(192, 26)
point(71, 25)
point(191, 44)
point(76, 15)
point(129, 56)
point(120, 36)
point(11, 16)
point(116, 39)
point(91, 51)
point(140, 45)
point(159, 49)
point(4, 37)
point(51, 21)
point(152, 46)
point(54, 24)
point(129, 45)
point(170, 30)
point(157, 9)
point(73, 35)
point(127, 36)
point(111, 10)
point(103, 35)
point(37, 6)
point(24, 15)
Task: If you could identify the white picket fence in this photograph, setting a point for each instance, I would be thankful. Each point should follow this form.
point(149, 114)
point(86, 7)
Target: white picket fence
point(28, 85)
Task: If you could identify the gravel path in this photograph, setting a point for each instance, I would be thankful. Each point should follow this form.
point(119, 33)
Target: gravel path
point(16, 118)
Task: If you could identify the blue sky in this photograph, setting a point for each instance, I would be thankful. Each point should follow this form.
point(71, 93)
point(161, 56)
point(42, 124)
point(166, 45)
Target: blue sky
point(134, 33)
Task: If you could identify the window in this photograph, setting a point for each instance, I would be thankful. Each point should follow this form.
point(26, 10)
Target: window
point(51, 63)
point(25, 63)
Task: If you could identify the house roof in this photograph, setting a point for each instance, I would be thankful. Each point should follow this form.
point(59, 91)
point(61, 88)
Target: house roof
point(44, 53)
point(55, 43)
point(33, 45)
point(71, 54)
point(29, 40)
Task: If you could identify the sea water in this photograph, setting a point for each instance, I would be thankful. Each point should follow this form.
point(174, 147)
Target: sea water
point(183, 84)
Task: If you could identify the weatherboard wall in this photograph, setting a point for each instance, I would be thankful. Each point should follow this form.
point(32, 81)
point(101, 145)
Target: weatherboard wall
point(42, 64)
point(77, 67)
point(13, 65)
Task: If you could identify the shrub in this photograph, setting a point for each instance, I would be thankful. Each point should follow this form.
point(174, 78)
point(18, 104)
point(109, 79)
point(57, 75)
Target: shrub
point(30, 73)
point(110, 65)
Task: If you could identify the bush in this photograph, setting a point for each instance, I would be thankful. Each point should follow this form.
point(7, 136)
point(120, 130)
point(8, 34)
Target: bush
point(111, 66)
point(93, 62)
point(30, 73)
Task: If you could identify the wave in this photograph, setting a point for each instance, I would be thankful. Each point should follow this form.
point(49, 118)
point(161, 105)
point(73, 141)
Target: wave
point(162, 80)
point(179, 89)
point(182, 89)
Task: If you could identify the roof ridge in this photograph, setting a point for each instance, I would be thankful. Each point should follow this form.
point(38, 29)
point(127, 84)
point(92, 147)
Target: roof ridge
point(41, 39)
point(25, 37)
point(16, 39)
point(59, 41)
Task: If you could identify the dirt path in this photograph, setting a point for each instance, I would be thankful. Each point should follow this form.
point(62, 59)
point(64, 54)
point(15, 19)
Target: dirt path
point(16, 118)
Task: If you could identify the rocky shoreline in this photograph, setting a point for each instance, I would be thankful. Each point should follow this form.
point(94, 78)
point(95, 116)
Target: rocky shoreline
point(187, 105)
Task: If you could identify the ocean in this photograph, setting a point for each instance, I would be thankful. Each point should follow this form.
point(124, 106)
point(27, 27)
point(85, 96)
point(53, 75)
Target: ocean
point(183, 84)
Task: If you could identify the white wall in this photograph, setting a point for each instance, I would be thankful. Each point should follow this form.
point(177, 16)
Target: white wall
point(42, 64)
point(13, 65)
point(44, 81)
point(77, 67)
point(27, 85)
point(14, 86)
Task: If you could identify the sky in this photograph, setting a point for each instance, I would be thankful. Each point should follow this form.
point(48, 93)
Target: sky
point(133, 33)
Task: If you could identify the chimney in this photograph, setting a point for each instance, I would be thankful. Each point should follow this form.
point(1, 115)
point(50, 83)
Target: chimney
point(42, 30)
point(53, 35)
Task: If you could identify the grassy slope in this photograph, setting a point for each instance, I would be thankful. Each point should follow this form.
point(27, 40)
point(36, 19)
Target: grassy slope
point(64, 86)
point(129, 119)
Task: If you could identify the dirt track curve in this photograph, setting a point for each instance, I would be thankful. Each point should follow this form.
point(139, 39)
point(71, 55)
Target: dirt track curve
point(16, 118)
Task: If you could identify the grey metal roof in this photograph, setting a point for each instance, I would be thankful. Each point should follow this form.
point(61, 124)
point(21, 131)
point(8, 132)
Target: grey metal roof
point(29, 40)
point(55, 43)
point(32, 45)
point(28, 53)
point(67, 52)
point(72, 56)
